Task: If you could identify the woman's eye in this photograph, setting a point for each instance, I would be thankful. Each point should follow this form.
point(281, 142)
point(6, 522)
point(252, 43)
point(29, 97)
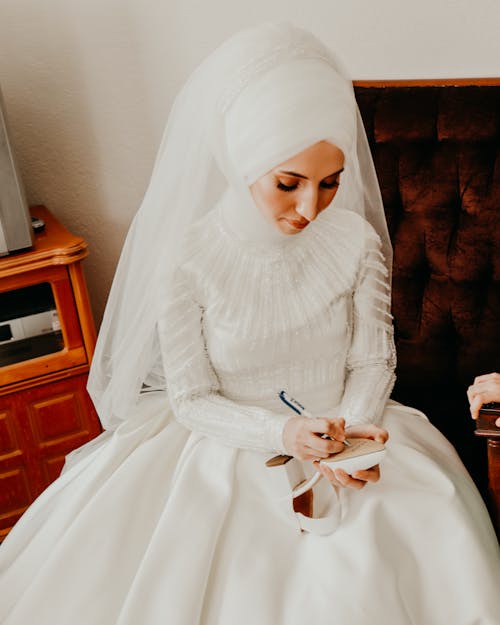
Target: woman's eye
point(329, 185)
point(286, 187)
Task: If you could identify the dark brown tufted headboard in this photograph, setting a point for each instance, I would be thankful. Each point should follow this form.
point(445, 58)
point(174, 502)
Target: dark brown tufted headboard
point(437, 154)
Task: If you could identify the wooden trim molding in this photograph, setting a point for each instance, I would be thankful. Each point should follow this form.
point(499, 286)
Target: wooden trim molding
point(61, 248)
point(430, 82)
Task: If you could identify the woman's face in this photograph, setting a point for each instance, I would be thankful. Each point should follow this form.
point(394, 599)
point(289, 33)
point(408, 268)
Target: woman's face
point(293, 194)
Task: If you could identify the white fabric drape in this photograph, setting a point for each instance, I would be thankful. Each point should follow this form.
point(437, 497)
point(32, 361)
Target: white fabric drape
point(155, 522)
point(171, 516)
point(194, 167)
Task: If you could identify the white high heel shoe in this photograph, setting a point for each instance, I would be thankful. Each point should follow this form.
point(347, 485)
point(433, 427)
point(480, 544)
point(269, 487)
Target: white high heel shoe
point(291, 482)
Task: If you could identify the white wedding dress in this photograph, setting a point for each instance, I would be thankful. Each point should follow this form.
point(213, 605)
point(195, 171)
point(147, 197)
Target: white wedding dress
point(170, 521)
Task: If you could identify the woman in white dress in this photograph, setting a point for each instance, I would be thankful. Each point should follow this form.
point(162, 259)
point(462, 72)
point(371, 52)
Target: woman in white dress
point(282, 283)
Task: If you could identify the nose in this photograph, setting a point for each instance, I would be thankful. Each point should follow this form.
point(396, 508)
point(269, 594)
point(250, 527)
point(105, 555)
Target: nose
point(309, 207)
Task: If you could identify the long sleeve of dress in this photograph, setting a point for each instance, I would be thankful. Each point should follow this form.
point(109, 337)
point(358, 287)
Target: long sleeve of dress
point(372, 356)
point(194, 389)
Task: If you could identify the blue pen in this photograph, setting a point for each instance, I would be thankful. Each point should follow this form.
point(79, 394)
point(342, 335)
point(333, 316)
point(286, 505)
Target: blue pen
point(299, 409)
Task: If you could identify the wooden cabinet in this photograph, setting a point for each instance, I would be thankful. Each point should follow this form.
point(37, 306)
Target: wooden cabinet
point(47, 338)
point(486, 427)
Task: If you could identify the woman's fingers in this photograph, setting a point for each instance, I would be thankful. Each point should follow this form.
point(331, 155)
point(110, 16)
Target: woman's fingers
point(334, 428)
point(324, 446)
point(313, 454)
point(319, 448)
point(302, 437)
point(357, 480)
point(312, 441)
point(368, 475)
point(348, 481)
point(327, 473)
point(316, 438)
point(368, 431)
point(382, 436)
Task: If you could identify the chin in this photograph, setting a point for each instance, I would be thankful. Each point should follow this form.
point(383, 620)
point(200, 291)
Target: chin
point(287, 229)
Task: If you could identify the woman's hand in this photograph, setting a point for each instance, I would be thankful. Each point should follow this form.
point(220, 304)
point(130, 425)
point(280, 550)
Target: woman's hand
point(373, 432)
point(485, 388)
point(302, 437)
point(358, 479)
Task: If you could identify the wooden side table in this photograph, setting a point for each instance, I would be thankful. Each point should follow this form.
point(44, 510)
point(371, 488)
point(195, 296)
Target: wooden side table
point(45, 411)
point(485, 427)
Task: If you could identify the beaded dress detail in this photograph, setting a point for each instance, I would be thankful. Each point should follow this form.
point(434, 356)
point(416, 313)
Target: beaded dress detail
point(309, 314)
point(173, 516)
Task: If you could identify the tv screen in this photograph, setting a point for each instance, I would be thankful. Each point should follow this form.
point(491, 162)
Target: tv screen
point(16, 232)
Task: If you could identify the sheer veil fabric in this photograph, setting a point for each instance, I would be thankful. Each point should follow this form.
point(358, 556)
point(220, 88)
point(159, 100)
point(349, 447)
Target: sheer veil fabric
point(215, 143)
point(171, 516)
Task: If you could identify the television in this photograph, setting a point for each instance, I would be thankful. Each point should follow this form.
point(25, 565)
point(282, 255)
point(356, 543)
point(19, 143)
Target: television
point(16, 232)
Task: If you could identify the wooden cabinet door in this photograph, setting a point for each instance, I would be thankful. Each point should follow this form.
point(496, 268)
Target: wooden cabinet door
point(38, 428)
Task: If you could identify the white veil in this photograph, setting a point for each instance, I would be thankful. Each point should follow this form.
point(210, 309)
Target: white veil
point(192, 169)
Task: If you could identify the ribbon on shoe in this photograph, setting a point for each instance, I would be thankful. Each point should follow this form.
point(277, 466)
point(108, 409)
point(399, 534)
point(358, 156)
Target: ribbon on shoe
point(290, 481)
point(361, 453)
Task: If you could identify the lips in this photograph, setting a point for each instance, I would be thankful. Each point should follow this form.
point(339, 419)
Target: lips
point(297, 224)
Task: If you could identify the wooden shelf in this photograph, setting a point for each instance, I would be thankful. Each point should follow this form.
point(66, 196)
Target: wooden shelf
point(54, 246)
point(45, 411)
point(430, 82)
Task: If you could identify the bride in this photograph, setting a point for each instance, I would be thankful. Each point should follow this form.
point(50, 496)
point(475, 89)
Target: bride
point(259, 262)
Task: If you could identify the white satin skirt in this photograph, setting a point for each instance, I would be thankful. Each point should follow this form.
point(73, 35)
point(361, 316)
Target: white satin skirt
point(155, 525)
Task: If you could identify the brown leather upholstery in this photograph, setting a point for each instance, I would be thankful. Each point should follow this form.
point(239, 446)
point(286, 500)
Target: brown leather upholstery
point(437, 155)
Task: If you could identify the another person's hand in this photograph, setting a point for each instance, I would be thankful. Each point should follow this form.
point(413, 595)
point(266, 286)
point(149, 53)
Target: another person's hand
point(302, 437)
point(358, 479)
point(485, 388)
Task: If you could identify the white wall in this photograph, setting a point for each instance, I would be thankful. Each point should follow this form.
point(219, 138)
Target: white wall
point(88, 84)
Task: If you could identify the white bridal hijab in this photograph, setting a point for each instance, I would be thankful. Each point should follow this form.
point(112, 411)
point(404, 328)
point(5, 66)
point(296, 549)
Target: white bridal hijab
point(262, 97)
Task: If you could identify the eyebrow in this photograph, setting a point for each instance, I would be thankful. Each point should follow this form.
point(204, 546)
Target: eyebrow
point(294, 173)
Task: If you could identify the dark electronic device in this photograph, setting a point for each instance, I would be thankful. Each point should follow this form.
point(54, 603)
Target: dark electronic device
point(15, 223)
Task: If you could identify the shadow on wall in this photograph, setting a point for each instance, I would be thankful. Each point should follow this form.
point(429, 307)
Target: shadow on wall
point(77, 106)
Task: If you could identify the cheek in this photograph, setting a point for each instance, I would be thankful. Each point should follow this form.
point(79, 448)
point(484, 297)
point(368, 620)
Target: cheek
point(279, 203)
point(271, 201)
point(327, 197)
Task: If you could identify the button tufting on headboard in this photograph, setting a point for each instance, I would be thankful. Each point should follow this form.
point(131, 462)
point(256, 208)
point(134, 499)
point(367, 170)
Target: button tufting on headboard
point(437, 155)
